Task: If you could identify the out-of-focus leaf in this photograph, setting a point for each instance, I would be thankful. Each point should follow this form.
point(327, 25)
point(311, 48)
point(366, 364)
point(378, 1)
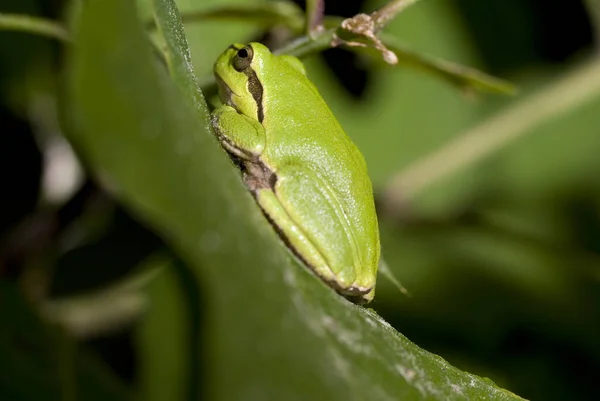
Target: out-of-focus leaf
point(34, 25)
point(41, 363)
point(166, 373)
point(273, 330)
point(266, 14)
point(593, 9)
point(112, 307)
point(465, 78)
point(564, 96)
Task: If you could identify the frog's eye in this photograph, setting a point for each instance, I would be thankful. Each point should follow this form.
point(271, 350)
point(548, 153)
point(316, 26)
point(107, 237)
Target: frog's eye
point(243, 58)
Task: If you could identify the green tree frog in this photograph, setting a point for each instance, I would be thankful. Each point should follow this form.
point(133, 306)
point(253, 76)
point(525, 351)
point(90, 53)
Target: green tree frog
point(305, 173)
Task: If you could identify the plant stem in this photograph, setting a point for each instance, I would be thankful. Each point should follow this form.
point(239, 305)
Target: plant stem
point(33, 25)
point(314, 15)
point(389, 11)
point(492, 135)
point(308, 45)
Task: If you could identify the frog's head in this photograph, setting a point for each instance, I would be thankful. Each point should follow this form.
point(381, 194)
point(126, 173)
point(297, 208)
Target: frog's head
point(236, 74)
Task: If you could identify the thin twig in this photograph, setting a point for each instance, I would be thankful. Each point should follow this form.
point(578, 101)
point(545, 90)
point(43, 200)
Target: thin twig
point(366, 26)
point(307, 45)
point(389, 11)
point(315, 10)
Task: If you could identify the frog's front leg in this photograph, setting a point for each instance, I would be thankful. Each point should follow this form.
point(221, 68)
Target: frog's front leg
point(239, 135)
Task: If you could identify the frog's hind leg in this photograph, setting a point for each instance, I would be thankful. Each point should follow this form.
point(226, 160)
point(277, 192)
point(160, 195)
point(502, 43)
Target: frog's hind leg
point(292, 234)
point(303, 209)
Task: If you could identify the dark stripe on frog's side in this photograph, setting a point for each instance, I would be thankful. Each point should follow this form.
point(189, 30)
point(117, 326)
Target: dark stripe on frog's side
point(256, 90)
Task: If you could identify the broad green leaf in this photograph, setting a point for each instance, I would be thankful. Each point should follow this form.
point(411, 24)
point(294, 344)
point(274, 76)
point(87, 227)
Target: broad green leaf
point(272, 330)
point(178, 55)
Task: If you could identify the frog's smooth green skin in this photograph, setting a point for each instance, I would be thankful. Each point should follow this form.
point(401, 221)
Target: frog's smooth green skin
point(308, 177)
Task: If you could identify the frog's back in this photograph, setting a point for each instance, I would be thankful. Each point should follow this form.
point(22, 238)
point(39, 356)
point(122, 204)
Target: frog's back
point(309, 135)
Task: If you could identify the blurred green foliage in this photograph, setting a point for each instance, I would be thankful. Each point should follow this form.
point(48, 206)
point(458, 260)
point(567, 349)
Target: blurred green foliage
point(501, 255)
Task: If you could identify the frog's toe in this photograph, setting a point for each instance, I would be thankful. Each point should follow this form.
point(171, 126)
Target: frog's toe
point(359, 295)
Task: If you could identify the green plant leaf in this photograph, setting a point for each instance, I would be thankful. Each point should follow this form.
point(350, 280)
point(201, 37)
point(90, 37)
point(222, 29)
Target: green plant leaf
point(178, 55)
point(273, 330)
point(267, 14)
